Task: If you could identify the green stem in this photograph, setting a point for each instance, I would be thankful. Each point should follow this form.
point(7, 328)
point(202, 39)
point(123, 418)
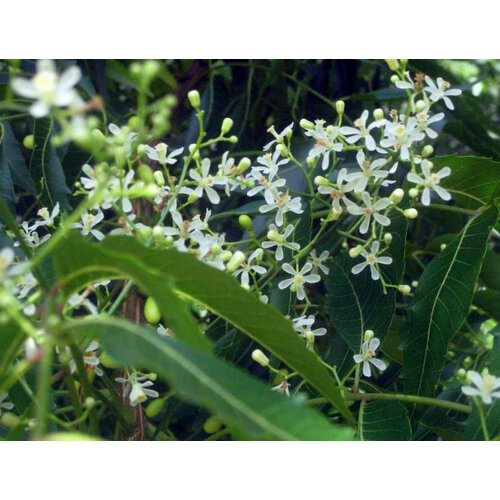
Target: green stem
point(483, 420)
point(43, 387)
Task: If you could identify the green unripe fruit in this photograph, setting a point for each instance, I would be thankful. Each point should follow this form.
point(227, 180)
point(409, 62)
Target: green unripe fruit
point(146, 174)
point(108, 362)
point(227, 124)
point(29, 141)
point(245, 222)
point(155, 407)
point(212, 424)
point(152, 311)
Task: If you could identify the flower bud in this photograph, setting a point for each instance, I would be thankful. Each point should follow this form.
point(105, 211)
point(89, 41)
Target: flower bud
point(233, 139)
point(310, 161)
point(413, 192)
point(442, 246)
point(334, 214)
point(245, 222)
point(378, 114)
point(215, 249)
point(158, 176)
point(152, 312)
point(274, 236)
point(310, 336)
point(306, 124)
point(397, 195)
point(29, 141)
point(427, 151)
point(194, 98)
point(394, 78)
point(10, 420)
point(259, 357)
point(134, 122)
point(226, 255)
point(369, 334)
point(236, 260)
point(158, 234)
point(321, 181)
point(420, 106)
point(404, 289)
point(89, 403)
point(145, 231)
point(427, 164)
point(155, 407)
point(411, 213)
point(388, 238)
point(467, 361)
point(146, 174)
point(340, 107)
point(355, 251)
point(243, 165)
point(461, 374)
point(414, 284)
point(227, 125)
point(192, 198)
point(142, 149)
point(212, 424)
point(393, 64)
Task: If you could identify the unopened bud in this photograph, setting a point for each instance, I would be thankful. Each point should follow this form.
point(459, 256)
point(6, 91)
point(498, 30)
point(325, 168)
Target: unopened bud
point(393, 64)
point(245, 222)
point(212, 424)
point(397, 195)
point(155, 407)
point(274, 236)
point(442, 246)
point(192, 198)
point(158, 234)
point(369, 334)
point(355, 251)
point(413, 192)
point(467, 361)
point(310, 161)
point(310, 337)
point(233, 139)
point(340, 107)
point(236, 260)
point(194, 98)
point(226, 255)
point(427, 151)
point(146, 174)
point(243, 165)
point(461, 374)
point(394, 78)
point(388, 238)
point(10, 420)
point(227, 125)
point(259, 357)
point(414, 284)
point(411, 213)
point(420, 106)
point(321, 181)
point(29, 141)
point(158, 176)
point(404, 289)
point(306, 124)
point(89, 403)
point(378, 114)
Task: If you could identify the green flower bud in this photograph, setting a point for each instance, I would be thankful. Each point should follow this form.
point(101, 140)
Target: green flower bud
point(151, 68)
point(141, 149)
point(10, 420)
point(152, 312)
point(442, 246)
point(397, 195)
point(259, 357)
point(388, 238)
point(355, 251)
point(414, 284)
point(145, 231)
point(404, 289)
point(243, 165)
point(194, 98)
point(467, 361)
point(413, 192)
point(89, 403)
point(306, 124)
point(369, 334)
point(310, 336)
point(245, 222)
point(233, 139)
point(394, 79)
point(411, 213)
point(227, 125)
point(236, 260)
point(393, 64)
point(158, 177)
point(226, 255)
point(29, 141)
point(155, 407)
point(146, 174)
point(212, 424)
point(310, 161)
point(319, 180)
point(275, 236)
point(427, 151)
point(340, 107)
point(192, 198)
point(420, 106)
point(134, 122)
point(120, 156)
point(461, 374)
point(378, 114)
point(158, 234)
point(215, 249)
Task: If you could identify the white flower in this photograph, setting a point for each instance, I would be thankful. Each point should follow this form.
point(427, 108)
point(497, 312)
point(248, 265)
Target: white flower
point(77, 300)
point(7, 256)
point(269, 165)
point(164, 332)
point(90, 182)
point(205, 182)
point(5, 405)
point(48, 88)
point(317, 261)
point(26, 283)
point(137, 389)
point(122, 137)
point(90, 359)
point(159, 154)
point(372, 260)
point(225, 170)
point(282, 387)
point(185, 230)
point(266, 184)
point(368, 210)
point(338, 193)
point(31, 236)
point(279, 240)
point(299, 279)
point(367, 357)
point(247, 268)
point(277, 137)
point(303, 326)
point(440, 91)
point(487, 387)
point(430, 181)
point(401, 137)
point(362, 131)
point(88, 222)
point(284, 203)
point(359, 180)
point(48, 218)
point(325, 142)
point(423, 120)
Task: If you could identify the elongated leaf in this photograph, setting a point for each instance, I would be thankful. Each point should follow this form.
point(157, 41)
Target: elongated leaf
point(78, 263)
point(247, 406)
point(7, 191)
point(441, 303)
point(11, 338)
point(473, 180)
point(489, 302)
point(46, 168)
point(216, 290)
point(473, 431)
point(356, 302)
point(490, 272)
point(385, 421)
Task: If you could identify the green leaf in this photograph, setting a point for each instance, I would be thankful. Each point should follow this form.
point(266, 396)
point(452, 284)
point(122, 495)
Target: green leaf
point(489, 302)
point(441, 303)
point(490, 272)
point(46, 168)
point(384, 421)
point(473, 431)
point(11, 339)
point(217, 291)
point(247, 406)
point(473, 181)
point(7, 191)
point(356, 302)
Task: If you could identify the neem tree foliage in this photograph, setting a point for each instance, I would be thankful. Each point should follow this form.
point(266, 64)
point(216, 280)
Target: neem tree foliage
point(336, 280)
